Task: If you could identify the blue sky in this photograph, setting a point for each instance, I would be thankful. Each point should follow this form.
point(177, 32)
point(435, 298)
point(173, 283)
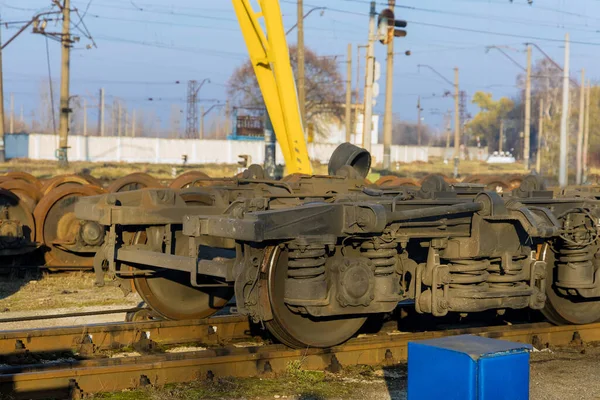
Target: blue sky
point(145, 46)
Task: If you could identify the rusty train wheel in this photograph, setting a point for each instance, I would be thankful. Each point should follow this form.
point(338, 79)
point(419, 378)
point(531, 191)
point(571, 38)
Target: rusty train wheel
point(13, 208)
point(23, 176)
point(170, 294)
point(61, 180)
point(395, 181)
point(295, 329)
point(446, 179)
point(515, 181)
point(561, 309)
point(188, 179)
point(496, 184)
point(135, 181)
point(55, 220)
point(27, 192)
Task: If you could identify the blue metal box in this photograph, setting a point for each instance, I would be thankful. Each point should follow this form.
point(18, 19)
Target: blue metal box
point(468, 367)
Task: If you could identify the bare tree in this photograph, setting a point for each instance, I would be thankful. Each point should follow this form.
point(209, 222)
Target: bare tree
point(324, 89)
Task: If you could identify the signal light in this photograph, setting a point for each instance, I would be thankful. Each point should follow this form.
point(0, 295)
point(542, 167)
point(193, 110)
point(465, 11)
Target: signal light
point(387, 26)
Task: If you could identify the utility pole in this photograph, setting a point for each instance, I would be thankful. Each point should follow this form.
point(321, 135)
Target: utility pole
point(227, 118)
point(389, 88)
point(201, 122)
point(101, 113)
point(349, 94)
point(580, 131)
point(84, 116)
point(448, 123)
point(133, 123)
point(2, 149)
point(527, 130)
point(12, 113)
point(501, 139)
point(538, 157)
point(65, 77)
point(119, 118)
point(456, 117)
point(368, 106)
point(564, 121)
point(300, 56)
point(586, 135)
point(419, 120)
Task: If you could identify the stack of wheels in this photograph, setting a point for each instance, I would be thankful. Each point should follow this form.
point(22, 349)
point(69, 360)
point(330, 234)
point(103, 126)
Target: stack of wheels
point(446, 179)
point(57, 228)
point(392, 181)
point(515, 181)
point(494, 183)
point(19, 194)
point(135, 181)
point(190, 179)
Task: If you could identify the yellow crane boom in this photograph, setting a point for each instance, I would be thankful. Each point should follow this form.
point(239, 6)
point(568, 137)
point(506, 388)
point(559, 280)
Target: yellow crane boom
point(270, 59)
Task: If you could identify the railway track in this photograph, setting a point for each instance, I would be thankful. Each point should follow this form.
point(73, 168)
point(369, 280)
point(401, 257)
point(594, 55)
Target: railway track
point(74, 377)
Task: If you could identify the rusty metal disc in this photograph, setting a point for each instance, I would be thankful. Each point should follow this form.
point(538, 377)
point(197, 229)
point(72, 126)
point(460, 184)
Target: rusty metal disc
point(27, 192)
point(515, 181)
point(90, 179)
point(61, 180)
point(395, 181)
point(447, 179)
point(190, 178)
point(476, 178)
point(296, 329)
point(135, 181)
point(24, 176)
point(496, 184)
point(55, 221)
point(14, 211)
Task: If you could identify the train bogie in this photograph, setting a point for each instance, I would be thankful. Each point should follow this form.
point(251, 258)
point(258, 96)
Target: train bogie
point(312, 257)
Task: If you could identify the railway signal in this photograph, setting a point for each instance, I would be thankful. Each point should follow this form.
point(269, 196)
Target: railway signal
point(389, 27)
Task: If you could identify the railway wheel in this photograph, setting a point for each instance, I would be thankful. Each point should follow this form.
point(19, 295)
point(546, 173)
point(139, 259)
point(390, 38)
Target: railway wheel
point(23, 176)
point(562, 309)
point(496, 184)
point(188, 179)
point(390, 181)
point(169, 293)
point(55, 221)
point(295, 329)
point(61, 180)
point(15, 241)
point(135, 181)
point(446, 179)
point(27, 192)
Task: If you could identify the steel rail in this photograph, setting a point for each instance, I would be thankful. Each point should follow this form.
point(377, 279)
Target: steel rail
point(90, 339)
point(77, 378)
point(71, 315)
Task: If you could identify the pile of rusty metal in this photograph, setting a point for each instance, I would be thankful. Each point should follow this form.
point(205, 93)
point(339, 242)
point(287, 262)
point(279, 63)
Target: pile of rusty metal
point(38, 225)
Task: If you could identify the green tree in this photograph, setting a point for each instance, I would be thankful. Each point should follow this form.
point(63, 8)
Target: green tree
point(486, 124)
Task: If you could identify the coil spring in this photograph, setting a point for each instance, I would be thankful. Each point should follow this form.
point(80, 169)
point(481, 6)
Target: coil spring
point(575, 264)
point(502, 278)
point(306, 263)
point(469, 275)
point(382, 255)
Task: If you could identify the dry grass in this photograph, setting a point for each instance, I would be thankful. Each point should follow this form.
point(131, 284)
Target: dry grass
point(111, 170)
point(42, 291)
